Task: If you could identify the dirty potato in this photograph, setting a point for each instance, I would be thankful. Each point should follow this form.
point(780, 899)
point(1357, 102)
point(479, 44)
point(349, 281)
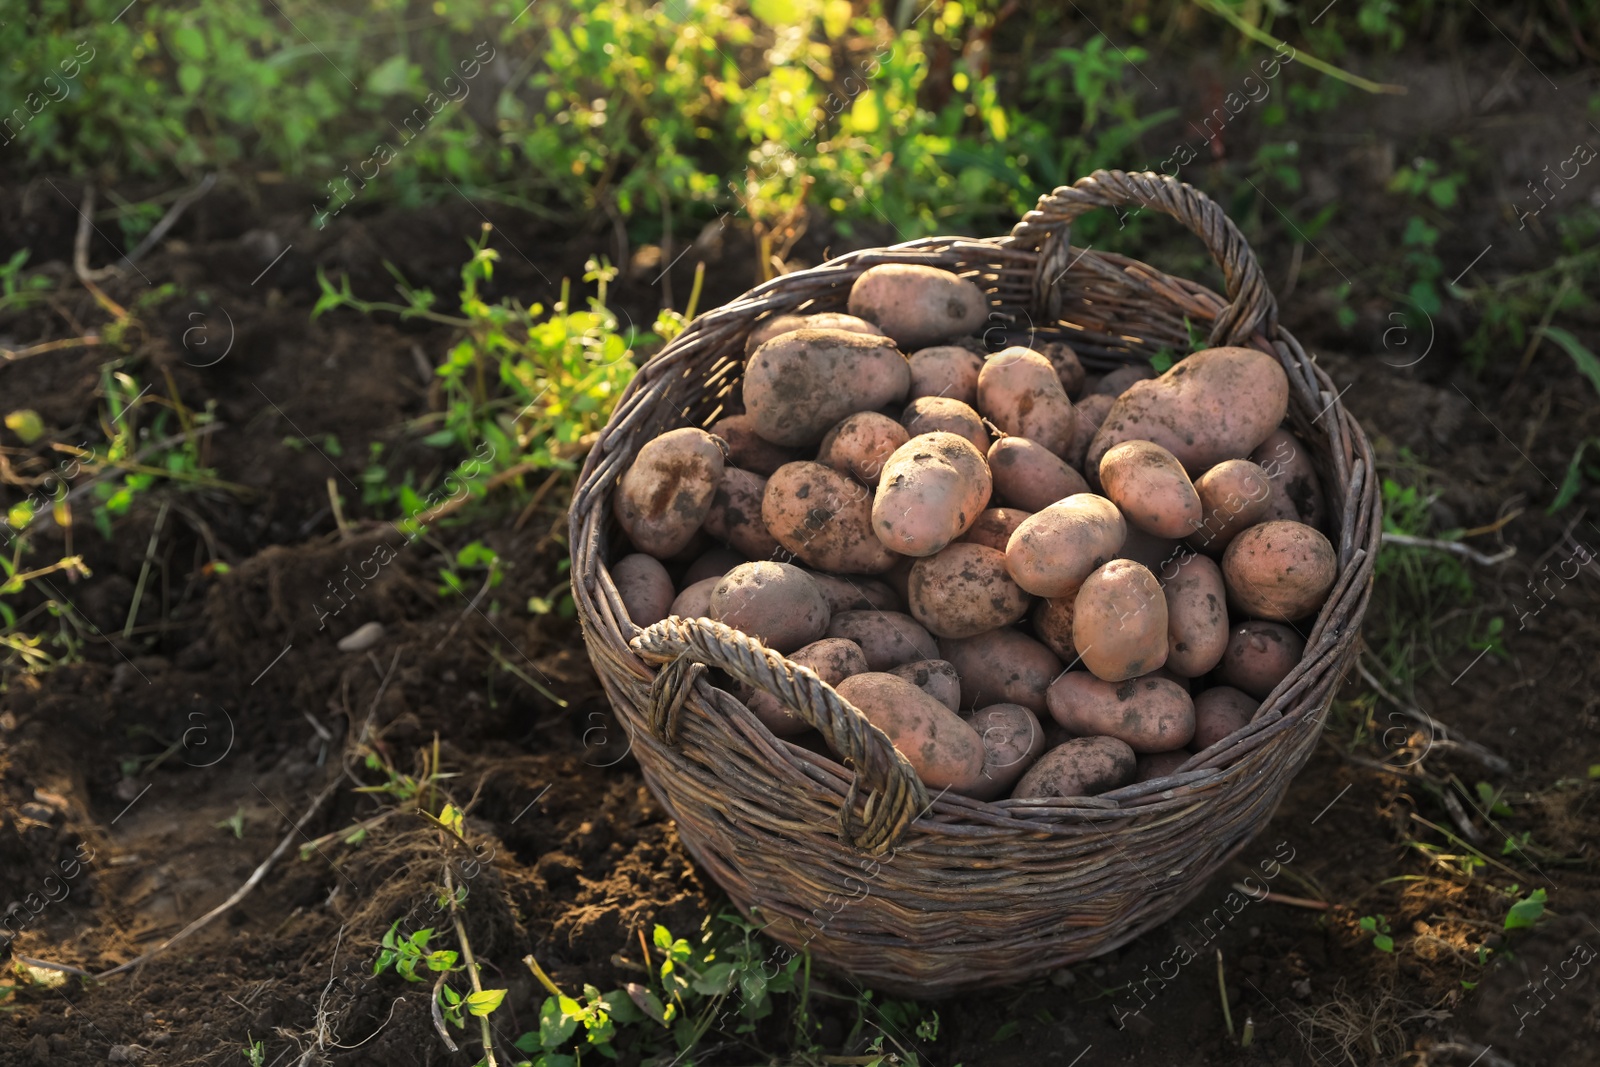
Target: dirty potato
point(778, 325)
point(944, 751)
point(888, 639)
point(941, 413)
point(825, 518)
point(832, 659)
point(1296, 489)
point(1001, 667)
point(1148, 714)
point(1082, 767)
point(1012, 741)
point(1119, 621)
point(798, 385)
point(1019, 392)
point(936, 677)
point(1279, 570)
point(933, 488)
point(1218, 712)
point(918, 305)
point(861, 444)
point(1234, 495)
point(750, 451)
point(644, 586)
point(1028, 475)
point(1197, 617)
point(994, 527)
point(1053, 550)
point(663, 497)
point(1259, 656)
point(735, 515)
point(964, 590)
point(776, 603)
point(946, 370)
point(1151, 487)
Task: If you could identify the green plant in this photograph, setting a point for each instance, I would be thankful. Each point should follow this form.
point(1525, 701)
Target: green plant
point(20, 290)
point(234, 822)
point(475, 554)
point(255, 1053)
point(1525, 911)
point(1378, 927)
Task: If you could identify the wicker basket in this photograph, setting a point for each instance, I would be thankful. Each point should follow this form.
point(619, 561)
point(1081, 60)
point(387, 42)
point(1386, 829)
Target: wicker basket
point(852, 858)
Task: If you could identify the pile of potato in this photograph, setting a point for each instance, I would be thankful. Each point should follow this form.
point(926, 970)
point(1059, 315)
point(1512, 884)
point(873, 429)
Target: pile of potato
point(964, 545)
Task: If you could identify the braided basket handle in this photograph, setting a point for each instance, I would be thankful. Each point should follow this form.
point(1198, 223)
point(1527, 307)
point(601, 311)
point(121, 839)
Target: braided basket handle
point(1048, 228)
point(896, 796)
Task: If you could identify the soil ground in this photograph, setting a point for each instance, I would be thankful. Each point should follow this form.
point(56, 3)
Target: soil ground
point(233, 674)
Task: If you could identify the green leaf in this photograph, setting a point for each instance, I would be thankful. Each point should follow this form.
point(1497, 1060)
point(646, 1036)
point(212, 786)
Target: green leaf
point(190, 78)
point(1572, 481)
point(390, 76)
point(1161, 361)
point(485, 1001)
point(1383, 942)
point(715, 980)
point(1527, 911)
point(661, 938)
point(189, 42)
point(1588, 364)
point(783, 12)
point(442, 960)
point(555, 1024)
point(26, 424)
point(528, 1042)
point(420, 938)
point(441, 439)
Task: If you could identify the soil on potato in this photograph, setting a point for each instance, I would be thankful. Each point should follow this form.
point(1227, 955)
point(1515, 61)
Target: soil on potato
point(165, 767)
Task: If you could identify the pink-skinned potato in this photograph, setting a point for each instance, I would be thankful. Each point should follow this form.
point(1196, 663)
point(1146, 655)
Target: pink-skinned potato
point(861, 444)
point(832, 659)
point(1012, 741)
point(1089, 413)
point(1068, 368)
point(994, 527)
point(1218, 712)
point(1052, 624)
point(694, 601)
point(1214, 405)
point(749, 450)
point(735, 515)
point(799, 385)
point(946, 370)
point(932, 490)
point(1234, 495)
point(918, 305)
point(645, 588)
point(1151, 487)
point(1148, 714)
point(1161, 555)
point(963, 591)
point(855, 594)
point(825, 518)
point(936, 677)
point(1115, 383)
point(1001, 667)
point(778, 325)
point(944, 751)
point(664, 495)
point(888, 639)
point(712, 563)
point(1280, 570)
point(1019, 391)
point(1119, 621)
point(941, 413)
point(1197, 617)
point(1029, 476)
point(776, 603)
point(1081, 767)
point(1160, 764)
point(1053, 550)
point(1259, 656)
point(1296, 489)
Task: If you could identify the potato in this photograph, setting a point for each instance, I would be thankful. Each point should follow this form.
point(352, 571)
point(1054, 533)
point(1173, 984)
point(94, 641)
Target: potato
point(1001, 667)
point(1296, 489)
point(1065, 361)
point(825, 518)
point(694, 602)
point(898, 577)
point(735, 515)
point(994, 527)
point(1089, 413)
point(1161, 555)
point(1259, 656)
point(1149, 714)
point(663, 497)
point(1160, 764)
point(644, 586)
point(832, 659)
point(936, 677)
point(1027, 475)
point(930, 413)
point(855, 594)
point(1082, 767)
point(918, 305)
point(946, 370)
point(778, 325)
point(798, 386)
point(749, 450)
point(888, 639)
point(1197, 617)
point(1052, 622)
point(1234, 495)
point(1012, 741)
point(776, 603)
point(1115, 383)
point(1149, 484)
point(712, 563)
point(944, 751)
point(933, 489)
point(1119, 622)
point(963, 591)
point(861, 444)
point(1019, 392)
point(1218, 712)
point(1053, 550)
point(1279, 570)
point(1214, 405)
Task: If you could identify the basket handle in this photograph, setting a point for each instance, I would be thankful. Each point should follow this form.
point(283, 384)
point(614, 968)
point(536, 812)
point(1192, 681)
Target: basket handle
point(1048, 228)
point(685, 646)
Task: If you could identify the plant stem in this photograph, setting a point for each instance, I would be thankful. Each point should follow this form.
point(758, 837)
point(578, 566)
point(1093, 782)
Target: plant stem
point(1222, 988)
point(1255, 33)
point(472, 966)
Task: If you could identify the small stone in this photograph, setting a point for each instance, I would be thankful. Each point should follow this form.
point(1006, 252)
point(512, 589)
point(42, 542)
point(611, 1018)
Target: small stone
point(1063, 978)
point(362, 637)
point(126, 1054)
point(1302, 988)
